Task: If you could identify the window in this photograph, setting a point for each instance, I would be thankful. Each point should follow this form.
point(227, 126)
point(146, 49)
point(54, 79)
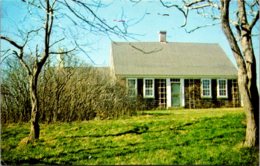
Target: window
point(222, 88)
point(205, 88)
point(132, 86)
point(148, 88)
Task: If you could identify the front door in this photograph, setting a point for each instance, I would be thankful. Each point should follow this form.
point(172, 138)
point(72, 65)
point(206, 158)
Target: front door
point(175, 94)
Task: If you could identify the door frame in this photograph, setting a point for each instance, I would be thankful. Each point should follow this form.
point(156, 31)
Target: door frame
point(169, 95)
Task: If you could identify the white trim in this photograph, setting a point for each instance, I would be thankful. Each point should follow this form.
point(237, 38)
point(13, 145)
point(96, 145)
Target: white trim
point(178, 76)
point(150, 96)
point(168, 92)
point(241, 101)
point(226, 88)
point(210, 88)
point(182, 93)
point(135, 79)
point(112, 67)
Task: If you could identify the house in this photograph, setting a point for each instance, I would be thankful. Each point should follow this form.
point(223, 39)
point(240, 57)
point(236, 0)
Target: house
point(171, 74)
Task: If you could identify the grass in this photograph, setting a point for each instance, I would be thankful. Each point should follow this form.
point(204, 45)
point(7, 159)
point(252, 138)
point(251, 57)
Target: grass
point(209, 136)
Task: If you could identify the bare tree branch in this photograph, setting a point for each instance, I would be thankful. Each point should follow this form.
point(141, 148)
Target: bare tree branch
point(135, 1)
point(4, 56)
point(101, 26)
point(48, 29)
point(201, 4)
point(193, 3)
point(146, 52)
point(32, 3)
point(185, 13)
point(230, 35)
point(29, 33)
point(22, 61)
point(12, 42)
point(63, 52)
point(199, 27)
point(57, 42)
point(84, 52)
point(255, 19)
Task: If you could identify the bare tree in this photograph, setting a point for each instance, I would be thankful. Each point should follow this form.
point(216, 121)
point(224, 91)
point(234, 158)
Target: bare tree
point(66, 93)
point(34, 69)
point(15, 102)
point(80, 13)
point(237, 19)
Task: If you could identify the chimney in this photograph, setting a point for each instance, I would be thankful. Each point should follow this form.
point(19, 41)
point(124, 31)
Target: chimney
point(162, 36)
point(61, 60)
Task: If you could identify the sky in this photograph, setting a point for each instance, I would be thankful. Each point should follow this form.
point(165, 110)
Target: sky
point(144, 20)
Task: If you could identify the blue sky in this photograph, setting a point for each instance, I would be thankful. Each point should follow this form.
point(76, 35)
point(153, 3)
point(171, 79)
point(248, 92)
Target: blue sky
point(145, 20)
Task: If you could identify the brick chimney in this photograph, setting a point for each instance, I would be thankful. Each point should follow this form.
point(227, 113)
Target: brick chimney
point(162, 36)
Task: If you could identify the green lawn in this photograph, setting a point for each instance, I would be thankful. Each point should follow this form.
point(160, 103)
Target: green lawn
point(208, 136)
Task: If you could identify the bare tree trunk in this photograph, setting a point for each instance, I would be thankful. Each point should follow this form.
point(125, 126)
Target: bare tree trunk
point(251, 101)
point(251, 138)
point(252, 98)
point(246, 63)
point(35, 128)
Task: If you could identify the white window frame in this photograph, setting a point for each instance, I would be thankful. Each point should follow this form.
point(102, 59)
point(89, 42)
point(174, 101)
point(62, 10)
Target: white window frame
point(144, 88)
point(127, 85)
point(210, 88)
point(218, 89)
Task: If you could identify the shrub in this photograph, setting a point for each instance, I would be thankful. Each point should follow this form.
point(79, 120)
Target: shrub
point(65, 94)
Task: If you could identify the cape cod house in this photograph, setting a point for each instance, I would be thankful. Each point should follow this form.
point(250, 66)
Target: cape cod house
point(171, 74)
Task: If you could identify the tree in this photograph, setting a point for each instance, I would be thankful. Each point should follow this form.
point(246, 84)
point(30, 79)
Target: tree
point(79, 13)
point(15, 101)
point(238, 29)
point(68, 92)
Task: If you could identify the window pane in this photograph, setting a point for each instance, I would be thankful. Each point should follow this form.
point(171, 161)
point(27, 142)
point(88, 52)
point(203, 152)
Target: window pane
point(148, 88)
point(206, 89)
point(205, 84)
point(132, 87)
point(222, 88)
point(148, 83)
point(148, 92)
point(131, 92)
point(222, 92)
point(222, 84)
point(131, 83)
point(206, 92)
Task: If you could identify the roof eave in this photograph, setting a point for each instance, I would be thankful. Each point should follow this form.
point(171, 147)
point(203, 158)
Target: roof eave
point(177, 76)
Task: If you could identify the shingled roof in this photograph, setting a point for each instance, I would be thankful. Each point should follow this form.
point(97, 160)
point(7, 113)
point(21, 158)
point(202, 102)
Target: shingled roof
point(170, 59)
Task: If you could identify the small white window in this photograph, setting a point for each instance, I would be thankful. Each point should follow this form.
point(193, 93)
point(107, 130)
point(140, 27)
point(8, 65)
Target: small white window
point(132, 86)
point(206, 88)
point(222, 88)
point(148, 88)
